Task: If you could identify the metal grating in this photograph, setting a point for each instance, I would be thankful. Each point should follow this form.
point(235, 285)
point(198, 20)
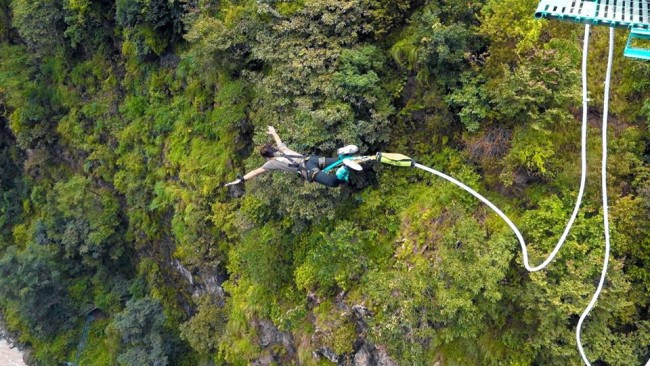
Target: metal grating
point(616, 13)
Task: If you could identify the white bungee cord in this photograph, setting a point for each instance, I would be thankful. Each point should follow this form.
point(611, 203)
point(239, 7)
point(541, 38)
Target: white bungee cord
point(583, 178)
point(603, 179)
point(562, 239)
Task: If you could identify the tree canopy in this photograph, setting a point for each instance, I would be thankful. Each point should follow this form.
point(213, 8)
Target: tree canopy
point(120, 122)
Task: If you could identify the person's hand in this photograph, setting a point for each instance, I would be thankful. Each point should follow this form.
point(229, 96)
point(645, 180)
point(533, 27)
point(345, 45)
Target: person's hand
point(271, 131)
point(233, 183)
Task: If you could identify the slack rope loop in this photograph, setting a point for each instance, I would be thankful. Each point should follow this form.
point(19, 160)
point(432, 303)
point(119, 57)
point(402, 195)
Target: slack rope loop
point(505, 218)
point(583, 178)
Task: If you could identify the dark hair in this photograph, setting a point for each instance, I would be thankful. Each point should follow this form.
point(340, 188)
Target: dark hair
point(268, 150)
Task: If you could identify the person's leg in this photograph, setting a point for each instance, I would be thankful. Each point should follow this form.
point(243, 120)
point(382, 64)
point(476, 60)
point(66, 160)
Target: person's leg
point(324, 162)
point(329, 180)
point(330, 161)
point(311, 163)
point(318, 176)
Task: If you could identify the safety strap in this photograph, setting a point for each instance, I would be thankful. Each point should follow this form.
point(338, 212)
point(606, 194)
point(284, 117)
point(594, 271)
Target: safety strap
point(308, 175)
point(292, 156)
point(300, 167)
point(293, 163)
point(311, 174)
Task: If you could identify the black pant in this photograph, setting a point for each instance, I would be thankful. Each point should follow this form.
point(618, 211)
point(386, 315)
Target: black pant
point(329, 180)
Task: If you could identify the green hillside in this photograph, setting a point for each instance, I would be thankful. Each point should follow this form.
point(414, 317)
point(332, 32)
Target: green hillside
point(121, 121)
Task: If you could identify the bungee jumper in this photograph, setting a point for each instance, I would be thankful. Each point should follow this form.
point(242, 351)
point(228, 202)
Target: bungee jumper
point(312, 168)
point(315, 168)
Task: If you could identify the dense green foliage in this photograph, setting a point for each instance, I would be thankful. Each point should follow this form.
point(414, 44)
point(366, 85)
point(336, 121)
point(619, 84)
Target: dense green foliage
point(120, 121)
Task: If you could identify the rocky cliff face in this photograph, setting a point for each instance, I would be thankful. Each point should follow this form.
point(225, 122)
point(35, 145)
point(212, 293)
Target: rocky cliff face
point(364, 354)
point(281, 346)
point(200, 282)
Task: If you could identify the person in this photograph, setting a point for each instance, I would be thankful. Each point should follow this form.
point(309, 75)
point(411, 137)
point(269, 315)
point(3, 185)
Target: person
point(280, 158)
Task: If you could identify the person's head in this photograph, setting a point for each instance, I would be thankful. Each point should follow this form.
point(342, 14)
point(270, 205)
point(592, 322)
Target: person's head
point(268, 151)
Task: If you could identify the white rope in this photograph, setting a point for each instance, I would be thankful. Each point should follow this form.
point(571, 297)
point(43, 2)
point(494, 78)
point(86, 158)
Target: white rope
point(603, 178)
point(524, 250)
point(583, 178)
point(580, 192)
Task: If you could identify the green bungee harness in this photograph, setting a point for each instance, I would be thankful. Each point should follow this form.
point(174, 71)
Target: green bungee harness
point(395, 159)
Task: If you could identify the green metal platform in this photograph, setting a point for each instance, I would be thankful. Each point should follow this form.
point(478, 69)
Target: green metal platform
point(631, 14)
point(613, 13)
point(632, 48)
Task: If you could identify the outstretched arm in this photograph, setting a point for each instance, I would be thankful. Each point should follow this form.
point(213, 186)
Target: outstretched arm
point(248, 176)
point(272, 132)
point(254, 173)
